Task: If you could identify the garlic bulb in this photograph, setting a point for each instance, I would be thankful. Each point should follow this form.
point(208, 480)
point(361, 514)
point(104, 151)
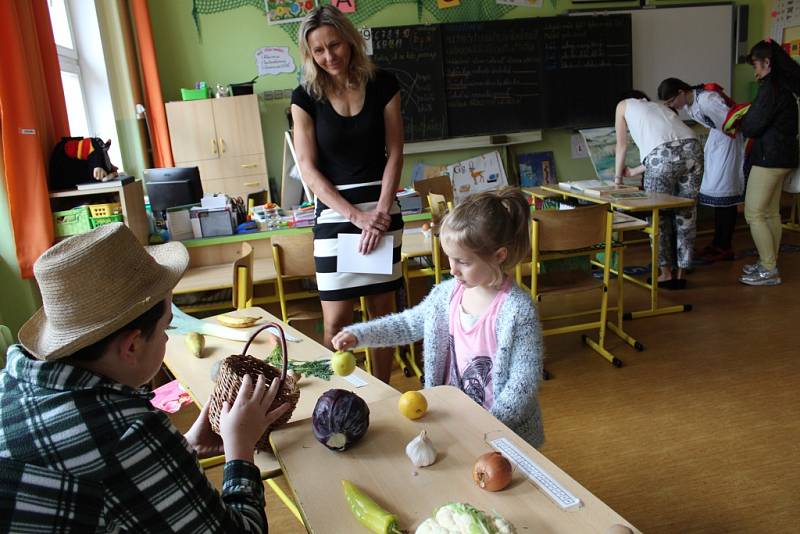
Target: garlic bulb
point(420, 450)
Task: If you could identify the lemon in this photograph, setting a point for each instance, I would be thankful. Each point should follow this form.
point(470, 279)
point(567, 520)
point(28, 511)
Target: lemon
point(412, 404)
point(343, 363)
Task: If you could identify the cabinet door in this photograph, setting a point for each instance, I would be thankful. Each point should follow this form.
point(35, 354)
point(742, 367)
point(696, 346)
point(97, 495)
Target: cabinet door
point(191, 131)
point(238, 124)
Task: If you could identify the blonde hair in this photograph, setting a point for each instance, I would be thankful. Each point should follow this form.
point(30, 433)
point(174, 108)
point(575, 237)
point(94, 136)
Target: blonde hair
point(485, 222)
point(316, 81)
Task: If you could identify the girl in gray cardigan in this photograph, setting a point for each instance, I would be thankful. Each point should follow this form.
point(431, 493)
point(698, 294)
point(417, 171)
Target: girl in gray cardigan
point(481, 331)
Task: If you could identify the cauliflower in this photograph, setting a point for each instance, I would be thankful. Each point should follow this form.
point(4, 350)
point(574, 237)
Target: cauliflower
point(463, 518)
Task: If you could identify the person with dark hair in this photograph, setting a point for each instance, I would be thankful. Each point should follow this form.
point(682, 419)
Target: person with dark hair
point(348, 132)
point(672, 162)
point(722, 187)
point(81, 447)
point(771, 123)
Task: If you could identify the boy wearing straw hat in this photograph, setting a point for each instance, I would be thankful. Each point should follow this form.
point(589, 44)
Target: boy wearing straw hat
point(81, 448)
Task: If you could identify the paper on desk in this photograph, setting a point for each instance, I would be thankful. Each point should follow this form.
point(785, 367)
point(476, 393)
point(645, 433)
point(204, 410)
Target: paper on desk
point(357, 381)
point(350, 260)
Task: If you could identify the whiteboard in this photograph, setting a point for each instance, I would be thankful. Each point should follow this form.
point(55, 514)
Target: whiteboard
point(695, 44)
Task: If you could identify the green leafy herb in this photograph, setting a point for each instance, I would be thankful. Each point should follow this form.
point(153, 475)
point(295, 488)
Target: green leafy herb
point(318, 368)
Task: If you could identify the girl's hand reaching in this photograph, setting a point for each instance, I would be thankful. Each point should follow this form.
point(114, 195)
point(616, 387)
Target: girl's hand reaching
point(344, 341)
point(243, 423)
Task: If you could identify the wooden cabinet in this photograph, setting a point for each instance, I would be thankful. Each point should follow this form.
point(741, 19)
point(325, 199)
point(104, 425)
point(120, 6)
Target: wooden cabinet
point(222, 137)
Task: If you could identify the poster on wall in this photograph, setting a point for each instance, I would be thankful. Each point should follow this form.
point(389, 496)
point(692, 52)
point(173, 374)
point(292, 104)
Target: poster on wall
point(274, 60)
point(282, 11)
point(345, 6)
point(602, 143)
point(482, 173)
point(537, 168)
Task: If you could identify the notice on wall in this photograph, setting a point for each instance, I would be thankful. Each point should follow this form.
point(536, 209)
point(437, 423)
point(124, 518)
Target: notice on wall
point(274, 60)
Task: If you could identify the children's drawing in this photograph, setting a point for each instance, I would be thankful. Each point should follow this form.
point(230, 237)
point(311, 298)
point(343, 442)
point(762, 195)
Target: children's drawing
point(282, 11)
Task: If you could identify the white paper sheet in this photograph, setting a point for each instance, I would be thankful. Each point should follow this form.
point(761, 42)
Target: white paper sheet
point(349, 260)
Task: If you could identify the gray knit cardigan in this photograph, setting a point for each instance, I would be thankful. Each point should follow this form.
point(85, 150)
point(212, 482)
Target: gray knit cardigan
point(517, 365)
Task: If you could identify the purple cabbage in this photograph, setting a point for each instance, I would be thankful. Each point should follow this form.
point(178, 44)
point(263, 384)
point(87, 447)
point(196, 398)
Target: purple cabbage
point(340, 419)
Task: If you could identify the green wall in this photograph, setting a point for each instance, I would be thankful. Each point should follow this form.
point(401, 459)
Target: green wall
point(18, 298)
point(230, 39)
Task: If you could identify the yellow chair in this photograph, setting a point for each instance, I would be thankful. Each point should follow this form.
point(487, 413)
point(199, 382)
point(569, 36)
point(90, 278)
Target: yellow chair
point(293, 256)
point(242, 293)
point(439, 185)
point(580, 232)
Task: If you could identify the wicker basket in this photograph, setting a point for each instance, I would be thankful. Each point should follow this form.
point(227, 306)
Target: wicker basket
point(230, 377)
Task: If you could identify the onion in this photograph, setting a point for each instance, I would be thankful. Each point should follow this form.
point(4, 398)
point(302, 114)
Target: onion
point(492, 471)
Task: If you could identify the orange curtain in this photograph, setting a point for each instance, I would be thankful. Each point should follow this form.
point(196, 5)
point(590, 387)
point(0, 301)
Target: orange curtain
point(153, 99)
point(33, 117)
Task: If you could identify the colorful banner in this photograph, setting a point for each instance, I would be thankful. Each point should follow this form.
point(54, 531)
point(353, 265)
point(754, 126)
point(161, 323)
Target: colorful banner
point(282, 11)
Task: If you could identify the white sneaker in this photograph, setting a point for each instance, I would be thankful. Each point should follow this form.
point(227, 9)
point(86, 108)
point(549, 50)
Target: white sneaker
point(750, 268)
point(761, 277)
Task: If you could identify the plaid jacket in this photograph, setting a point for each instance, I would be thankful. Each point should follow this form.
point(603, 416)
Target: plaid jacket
point(81, 453)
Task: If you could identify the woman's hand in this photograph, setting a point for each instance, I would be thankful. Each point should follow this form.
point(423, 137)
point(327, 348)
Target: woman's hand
point(632, 171)
point(202, 439)
point(373, 224)
point(344, 340)
point(242, 424)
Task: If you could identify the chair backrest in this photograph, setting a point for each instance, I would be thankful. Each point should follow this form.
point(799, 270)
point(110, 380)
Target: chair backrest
point(40, 499)
point(438, 184)
point(438, 204)
point(242, 293)
point(294, 254)
point(571, 229)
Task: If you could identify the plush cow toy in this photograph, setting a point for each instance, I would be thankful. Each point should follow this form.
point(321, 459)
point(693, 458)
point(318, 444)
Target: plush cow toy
point(80, 160)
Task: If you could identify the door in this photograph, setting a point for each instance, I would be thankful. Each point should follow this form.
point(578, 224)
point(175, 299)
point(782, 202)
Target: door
point(191, 131)
point(238, 124)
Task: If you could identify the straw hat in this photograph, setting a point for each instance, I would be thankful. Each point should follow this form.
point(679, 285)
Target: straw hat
point(95, 283)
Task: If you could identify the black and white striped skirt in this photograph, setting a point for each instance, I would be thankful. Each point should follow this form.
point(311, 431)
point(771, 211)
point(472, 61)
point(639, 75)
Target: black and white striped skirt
point(334, 285)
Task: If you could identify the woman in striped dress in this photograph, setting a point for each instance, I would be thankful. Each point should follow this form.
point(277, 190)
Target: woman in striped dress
point(348, 133)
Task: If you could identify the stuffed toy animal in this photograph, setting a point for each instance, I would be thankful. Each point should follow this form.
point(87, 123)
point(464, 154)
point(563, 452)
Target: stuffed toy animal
point(80, 160)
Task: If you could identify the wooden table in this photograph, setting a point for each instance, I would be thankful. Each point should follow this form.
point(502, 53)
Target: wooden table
point(194, 374)
point(458, 428)
point(652, 204)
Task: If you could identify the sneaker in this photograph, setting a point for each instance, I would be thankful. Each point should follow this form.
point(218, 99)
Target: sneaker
point(761, 277)
point(750, 268)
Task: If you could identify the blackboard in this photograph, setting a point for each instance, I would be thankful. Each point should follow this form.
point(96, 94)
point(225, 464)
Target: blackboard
point(414, 55)
point(507, 76)
point(586, 68)
point(492, 76)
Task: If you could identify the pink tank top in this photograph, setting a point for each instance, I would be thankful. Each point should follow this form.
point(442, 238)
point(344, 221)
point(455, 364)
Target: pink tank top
point(471, 356)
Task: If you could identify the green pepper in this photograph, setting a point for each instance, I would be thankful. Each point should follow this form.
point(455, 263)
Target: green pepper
point(368, 512)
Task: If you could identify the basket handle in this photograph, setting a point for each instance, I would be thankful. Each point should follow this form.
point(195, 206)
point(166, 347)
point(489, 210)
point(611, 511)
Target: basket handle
point(283, 347)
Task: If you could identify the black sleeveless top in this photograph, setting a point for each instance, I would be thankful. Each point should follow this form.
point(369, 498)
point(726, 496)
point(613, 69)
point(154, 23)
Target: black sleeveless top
point(351, 150)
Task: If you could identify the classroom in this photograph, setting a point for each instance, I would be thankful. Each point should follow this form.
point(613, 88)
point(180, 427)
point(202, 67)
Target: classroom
point(318, 369)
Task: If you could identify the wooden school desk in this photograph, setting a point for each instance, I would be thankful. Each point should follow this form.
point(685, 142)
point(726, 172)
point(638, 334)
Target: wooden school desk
point(652, 203)
point(458, 428)
point(621, 223)
point(194, 374)
point(211, 260)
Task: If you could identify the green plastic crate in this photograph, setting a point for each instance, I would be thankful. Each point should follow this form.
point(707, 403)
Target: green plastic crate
point(194, 94)
point(100, 221)
point(72, 222)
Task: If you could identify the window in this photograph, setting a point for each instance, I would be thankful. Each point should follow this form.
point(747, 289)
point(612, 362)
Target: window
point(74, 94)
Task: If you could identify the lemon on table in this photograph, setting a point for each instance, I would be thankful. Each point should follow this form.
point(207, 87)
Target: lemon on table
point(413, 404)
point(343, 363)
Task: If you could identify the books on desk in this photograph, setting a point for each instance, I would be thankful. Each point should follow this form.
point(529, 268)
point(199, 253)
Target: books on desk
point(599, 187)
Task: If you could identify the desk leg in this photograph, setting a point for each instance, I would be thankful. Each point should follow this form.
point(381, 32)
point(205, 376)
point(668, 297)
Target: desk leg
point(653, 285)
point(616, 327)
